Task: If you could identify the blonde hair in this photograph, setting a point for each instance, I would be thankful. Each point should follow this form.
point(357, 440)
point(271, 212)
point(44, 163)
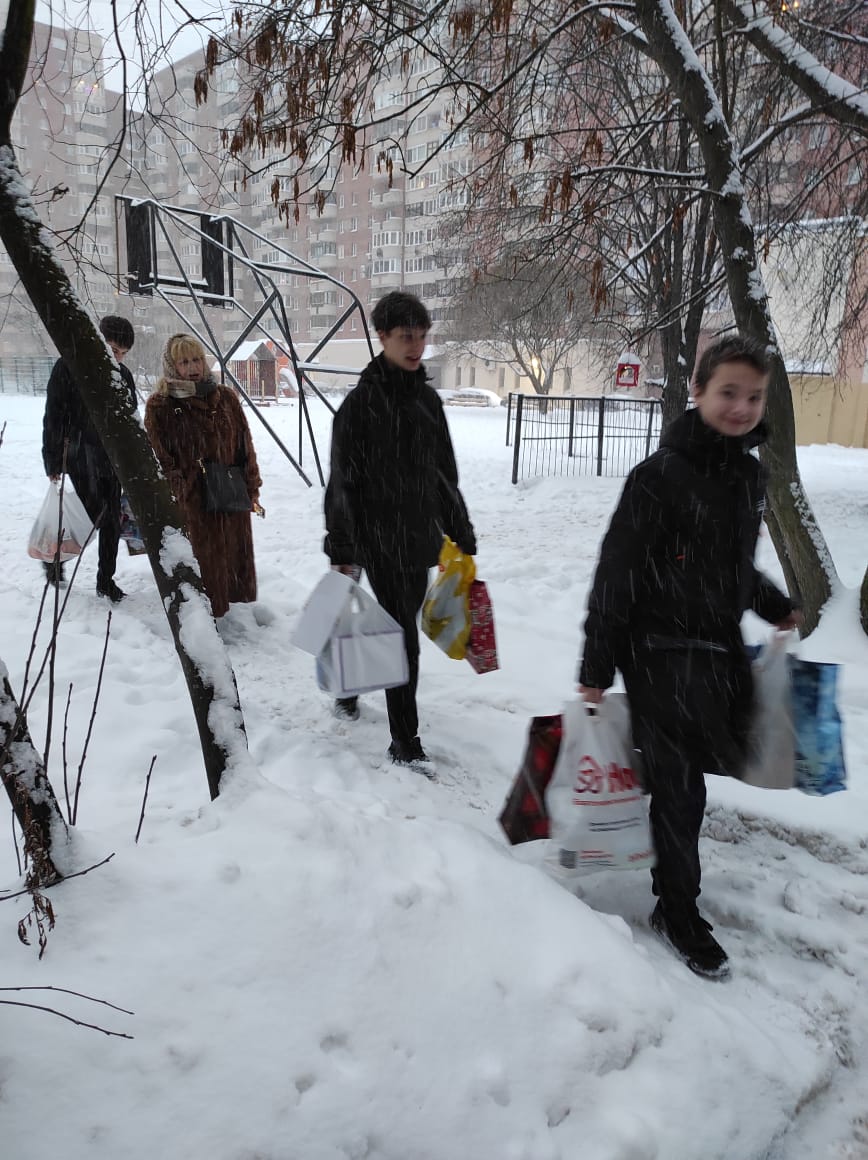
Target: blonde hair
point(179, 346)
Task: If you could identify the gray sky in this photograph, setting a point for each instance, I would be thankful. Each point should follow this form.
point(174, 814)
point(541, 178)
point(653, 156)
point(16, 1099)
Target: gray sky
point(163, 24)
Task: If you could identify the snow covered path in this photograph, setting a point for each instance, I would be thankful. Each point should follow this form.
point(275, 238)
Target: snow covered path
point(343, 960)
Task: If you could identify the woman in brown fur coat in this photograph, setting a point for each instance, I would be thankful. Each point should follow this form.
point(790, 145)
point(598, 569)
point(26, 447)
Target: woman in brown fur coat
point(192, 420)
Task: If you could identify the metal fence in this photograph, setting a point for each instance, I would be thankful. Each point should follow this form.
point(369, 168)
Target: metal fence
point(25, 376)
point(579, 435)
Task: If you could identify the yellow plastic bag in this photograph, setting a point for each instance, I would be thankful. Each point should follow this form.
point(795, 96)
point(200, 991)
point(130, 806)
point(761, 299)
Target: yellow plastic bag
point(446, 611)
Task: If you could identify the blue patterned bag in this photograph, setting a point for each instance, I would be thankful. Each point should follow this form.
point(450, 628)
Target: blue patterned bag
point(130, 532)
point(819, 739)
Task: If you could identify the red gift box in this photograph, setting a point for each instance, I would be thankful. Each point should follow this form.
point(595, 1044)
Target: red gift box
point(482, 647)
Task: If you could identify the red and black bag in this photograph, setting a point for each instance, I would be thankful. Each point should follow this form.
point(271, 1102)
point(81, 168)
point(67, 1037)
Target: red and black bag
point(481, 647)
point(524, 817)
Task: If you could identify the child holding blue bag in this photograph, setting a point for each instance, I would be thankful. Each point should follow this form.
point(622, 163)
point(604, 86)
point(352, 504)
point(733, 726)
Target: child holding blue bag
point(674, 578)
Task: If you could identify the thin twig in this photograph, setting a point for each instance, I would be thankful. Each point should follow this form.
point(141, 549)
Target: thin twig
point(15, 844)
point(78, 777)
point(145, 798)
point(67, 991)
point(64, 754)
point(62, 1015)
point(66, 878)
point(52, 644)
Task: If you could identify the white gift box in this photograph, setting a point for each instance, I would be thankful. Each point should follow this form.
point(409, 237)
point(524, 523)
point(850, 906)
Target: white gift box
point(365, 650)
point(321, 612)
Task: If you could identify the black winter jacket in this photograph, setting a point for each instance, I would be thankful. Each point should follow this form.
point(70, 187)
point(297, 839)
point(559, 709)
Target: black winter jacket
point(676, 565)
point(393, 487)
point(67, 417)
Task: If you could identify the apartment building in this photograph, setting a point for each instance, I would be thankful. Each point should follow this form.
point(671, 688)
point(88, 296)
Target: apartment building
point(374, 228)
point(62, 133)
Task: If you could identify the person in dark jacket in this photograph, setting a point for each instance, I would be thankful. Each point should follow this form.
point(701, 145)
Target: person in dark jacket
point(675, 575)
point(393, 493)
point(67, 427)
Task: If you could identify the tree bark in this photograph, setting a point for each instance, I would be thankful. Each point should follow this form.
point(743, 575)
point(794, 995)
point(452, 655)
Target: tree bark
point(804, 557)
point(31, 793)
point(80, 344)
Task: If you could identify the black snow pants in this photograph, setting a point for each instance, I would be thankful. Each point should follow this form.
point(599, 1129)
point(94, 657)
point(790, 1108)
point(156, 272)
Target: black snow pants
point(402, 593)
point(690, 708)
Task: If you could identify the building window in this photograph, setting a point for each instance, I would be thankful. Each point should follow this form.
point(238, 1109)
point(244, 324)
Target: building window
point(458, 376)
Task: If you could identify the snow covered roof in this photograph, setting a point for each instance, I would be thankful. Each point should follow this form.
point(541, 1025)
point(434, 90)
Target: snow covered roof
point(253, 349)
point(799, 366)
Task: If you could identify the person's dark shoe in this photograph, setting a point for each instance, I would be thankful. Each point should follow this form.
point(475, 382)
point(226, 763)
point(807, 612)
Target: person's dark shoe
point(693, 942)
point(411, 754)
point(110, 589)
point(346, 708)
point(54, 572)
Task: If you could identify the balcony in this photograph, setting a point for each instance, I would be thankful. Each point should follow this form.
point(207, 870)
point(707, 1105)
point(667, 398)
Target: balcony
point(323, 320)
point(390, 196)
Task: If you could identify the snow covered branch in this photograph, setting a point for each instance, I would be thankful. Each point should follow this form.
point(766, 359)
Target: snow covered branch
point(828, 92)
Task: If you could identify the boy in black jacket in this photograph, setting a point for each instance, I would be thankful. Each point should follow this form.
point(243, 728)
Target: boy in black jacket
point(675, 576)
point(393, 492)
point(67, 425)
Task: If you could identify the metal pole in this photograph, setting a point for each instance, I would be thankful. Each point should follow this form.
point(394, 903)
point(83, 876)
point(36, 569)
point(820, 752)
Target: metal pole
point(519, 400)
point(572, 424)
point(601, 431)
point(650, 428)
point(508, 416)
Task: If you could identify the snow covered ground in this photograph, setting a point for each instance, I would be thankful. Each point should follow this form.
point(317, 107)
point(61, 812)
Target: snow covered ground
point(341, 960)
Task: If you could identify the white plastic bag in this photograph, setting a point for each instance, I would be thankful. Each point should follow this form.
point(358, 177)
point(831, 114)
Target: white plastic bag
point(75, 526)
point(365, 650)
point(598, 814)
point(771, 761)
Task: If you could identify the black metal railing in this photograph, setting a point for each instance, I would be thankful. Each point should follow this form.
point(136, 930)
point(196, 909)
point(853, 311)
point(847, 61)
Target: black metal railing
point(579, 435)
point(21, 375)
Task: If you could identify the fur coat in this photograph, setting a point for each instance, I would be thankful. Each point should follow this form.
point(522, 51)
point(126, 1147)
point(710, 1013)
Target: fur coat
point(210, 427)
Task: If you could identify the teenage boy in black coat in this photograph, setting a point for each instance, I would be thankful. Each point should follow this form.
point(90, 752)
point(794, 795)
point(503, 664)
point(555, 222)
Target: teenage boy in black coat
point(675, 576)
point(67, 425)
point(393, 492)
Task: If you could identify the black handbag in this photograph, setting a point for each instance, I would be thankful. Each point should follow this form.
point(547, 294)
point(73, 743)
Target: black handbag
point(223, 488)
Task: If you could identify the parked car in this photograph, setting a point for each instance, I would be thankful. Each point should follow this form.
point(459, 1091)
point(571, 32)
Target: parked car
point(470, 397)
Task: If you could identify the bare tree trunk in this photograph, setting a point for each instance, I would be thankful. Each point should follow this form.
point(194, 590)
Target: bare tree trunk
point(797, 538)
point(81, 346)
point(676, 389)
point(29, 790)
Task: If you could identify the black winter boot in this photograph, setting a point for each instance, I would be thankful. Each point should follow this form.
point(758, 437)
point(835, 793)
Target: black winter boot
point(54, 572)
point(110, 589)
point(692, 941)
point(411, 753)
point(346, 708)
